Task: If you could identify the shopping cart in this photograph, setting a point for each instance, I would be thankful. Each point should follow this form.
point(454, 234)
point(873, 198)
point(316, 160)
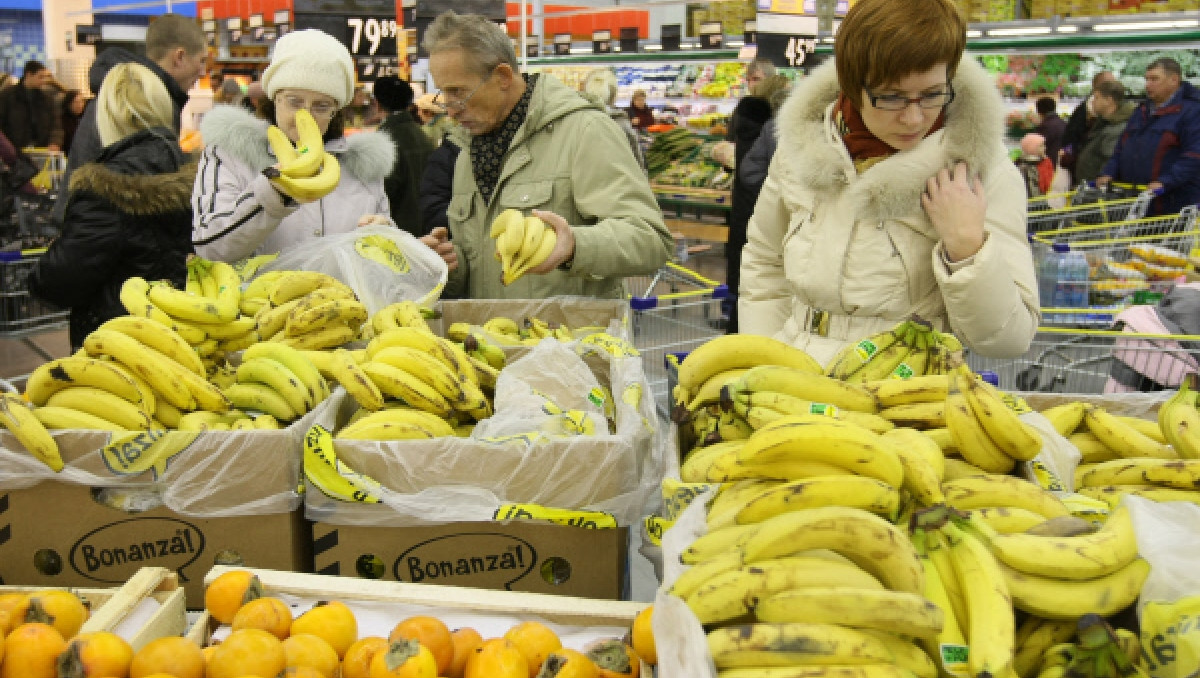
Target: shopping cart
point(1126, 259)
point(1086, 205)
point(674, 311)
point(21, 312)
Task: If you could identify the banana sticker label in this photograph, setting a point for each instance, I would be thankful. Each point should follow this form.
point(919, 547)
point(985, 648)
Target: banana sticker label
point(609, 344)
point(384, 251)
point(866, 349)
point(823, 409)
point(134, 453)
point(592, 520)
point(655, 527)
point(1015, 403)
point(902, 371)
point(677, 496)
point(330, 475)
point(1044, 477)
point(597, 397)
point(954, 658)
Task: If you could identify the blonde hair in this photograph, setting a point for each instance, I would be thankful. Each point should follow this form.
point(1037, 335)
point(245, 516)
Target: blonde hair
point(132, 99)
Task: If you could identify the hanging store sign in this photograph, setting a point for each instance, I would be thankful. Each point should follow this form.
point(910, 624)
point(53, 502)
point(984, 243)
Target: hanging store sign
point(786, 39)
point(750, 32)
point(368, 28)
point(602, 42)
point(712, 35)
point(629, 39)
point(562, 44)
point(799, 6)
point(533, 46)
point(670, 35)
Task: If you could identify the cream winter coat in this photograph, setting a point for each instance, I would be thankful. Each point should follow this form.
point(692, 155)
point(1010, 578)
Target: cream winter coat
point(861, 247)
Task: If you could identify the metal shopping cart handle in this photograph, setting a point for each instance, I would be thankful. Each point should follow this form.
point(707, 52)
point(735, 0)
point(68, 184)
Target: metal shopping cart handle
point(8, 386)
point(1116, 184)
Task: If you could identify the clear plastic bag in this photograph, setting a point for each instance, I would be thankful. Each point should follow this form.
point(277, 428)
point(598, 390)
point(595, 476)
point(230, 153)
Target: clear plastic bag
point(382, 264)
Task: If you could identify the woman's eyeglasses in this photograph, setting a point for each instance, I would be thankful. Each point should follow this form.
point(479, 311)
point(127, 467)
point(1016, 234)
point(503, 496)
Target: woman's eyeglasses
point(320, 109)
point(892, 102)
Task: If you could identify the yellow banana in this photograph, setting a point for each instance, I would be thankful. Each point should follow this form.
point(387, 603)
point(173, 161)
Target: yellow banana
point(487, 374)
point(102, 404)
point(408, 387)
point(805, 385)
point(281, 146)
point(737, 351)
point(328, 337)
point(829, 441)
point(1111, 494)
point(1179, 422)
point(941, 437)
point(339, 311)
point(221, 331)
point(167, 414)
point(1065, 599)
point(501, 326)
point(307, 152)
point(1008, 519)
point(949, 647)
point(1146, 427)
point(1039, 635)
point(1119, 436)
point(998, 490)
point(1081, 557)
point(540, 241)
point(853, 357)
point(1066, 417)
point(854, 491)
point(309, 189)
point(160, 338)
point(149, 365)
point(347, 372)
point(696, 464)
point(135, 298)
point(1012, 436)
point(55, 375)
point(862, 608)
point(279, 378)
point(59, 418)
point(793, 644)
point(426, 368)
point(970, 438)
point(917, 415)
point(991, 628)
point(239, 343)
point(260, 398)
point(296, 284)
point(1091, 450)
point(297, 363)
point(180, 304)
point(922, 389)
point(31, 433)
point(435, 425)
point(1183, 474)
point(717, 542)
point(923, 465)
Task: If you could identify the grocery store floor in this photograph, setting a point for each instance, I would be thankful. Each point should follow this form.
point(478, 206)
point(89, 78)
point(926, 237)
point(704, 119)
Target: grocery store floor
point(19, 355)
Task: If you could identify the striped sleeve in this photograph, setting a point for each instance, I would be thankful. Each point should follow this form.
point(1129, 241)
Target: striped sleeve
point(234, 209)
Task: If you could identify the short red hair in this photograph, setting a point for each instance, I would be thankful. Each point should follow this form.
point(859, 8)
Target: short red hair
point(882, 41)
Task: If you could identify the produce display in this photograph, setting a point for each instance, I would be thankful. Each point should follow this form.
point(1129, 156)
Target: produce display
point(887, 523)
point(680, 158)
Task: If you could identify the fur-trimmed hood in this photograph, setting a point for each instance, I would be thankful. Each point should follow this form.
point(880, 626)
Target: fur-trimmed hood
point(369, 156)
point(812, 151)
point(143, 174)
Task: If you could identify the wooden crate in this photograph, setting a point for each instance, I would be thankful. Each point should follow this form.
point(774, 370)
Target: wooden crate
point(563, 610)
point(110, 608)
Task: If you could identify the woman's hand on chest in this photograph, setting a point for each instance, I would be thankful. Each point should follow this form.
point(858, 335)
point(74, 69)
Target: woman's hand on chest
point(957, 208)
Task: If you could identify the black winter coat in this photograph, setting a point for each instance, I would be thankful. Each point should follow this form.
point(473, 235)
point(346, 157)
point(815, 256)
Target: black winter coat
point(28, 117)
point(403, 185)
point(437, 185)
point(86, 145)
point(128, 214)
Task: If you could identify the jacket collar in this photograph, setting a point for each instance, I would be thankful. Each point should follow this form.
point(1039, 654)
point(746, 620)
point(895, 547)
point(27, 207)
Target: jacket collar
point(551, 101)
point(138, 194)
point(369, 156)
point(813, 153)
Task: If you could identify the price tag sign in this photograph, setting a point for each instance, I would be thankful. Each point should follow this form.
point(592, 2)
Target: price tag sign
point(87, 34)
point(787, 40)
point(255, 21)
point(562, 44)
point(670, 35)
point(602, 42)
point(629, 39)
point(750, 32)
point(712, 34)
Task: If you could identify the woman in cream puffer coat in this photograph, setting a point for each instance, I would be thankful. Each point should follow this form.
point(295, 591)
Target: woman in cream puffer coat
point(859, 249)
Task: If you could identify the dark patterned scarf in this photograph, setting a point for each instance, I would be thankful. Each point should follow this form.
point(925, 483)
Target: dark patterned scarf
point(488, 150)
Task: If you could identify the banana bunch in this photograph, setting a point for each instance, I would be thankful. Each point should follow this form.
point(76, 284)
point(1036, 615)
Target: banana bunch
point(233, 420)
point(306, 171)
point(276, 380)
point(401, 314)
point(206, 313)
point(986, 432)
point(29, 431)
point(528, 332)
point(742, 352)
point(1154, 479)
point(522, 243)
point(307, 310)
point(1100, 651)
point(911, 348)
point(1179, 420)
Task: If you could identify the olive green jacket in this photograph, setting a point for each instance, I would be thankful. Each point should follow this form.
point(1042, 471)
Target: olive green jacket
point(569, 158)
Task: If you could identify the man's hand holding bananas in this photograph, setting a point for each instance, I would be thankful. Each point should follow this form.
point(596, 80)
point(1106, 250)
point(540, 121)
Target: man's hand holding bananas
point(535, 244)
point(306, 171)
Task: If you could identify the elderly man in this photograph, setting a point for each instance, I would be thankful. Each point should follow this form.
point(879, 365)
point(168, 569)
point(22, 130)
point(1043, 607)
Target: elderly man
point(538, 147)
point(1160, 147)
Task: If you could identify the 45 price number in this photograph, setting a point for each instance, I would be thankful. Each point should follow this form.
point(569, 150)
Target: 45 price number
point(798, 49)
point(374, 30)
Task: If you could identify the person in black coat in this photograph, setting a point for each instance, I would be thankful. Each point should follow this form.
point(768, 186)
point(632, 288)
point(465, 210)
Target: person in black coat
point(128, 212)
point(1051, 126)
point(1077, 132)
point(437, 183)
point(412, 153)
point(27, 115)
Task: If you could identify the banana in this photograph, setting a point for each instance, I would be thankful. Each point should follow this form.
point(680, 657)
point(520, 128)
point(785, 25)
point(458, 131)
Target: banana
point(1180, 422)
point(828, 441)
point(167, 414)
point(971, 440)
point(214, 421)
point(260, 286)
point(402, 314)
point(434, 425)
point(158, 337)
point(1008, 519)
point(738, 592)
point(805, 385)
point(224, 331)
point(1088, 556)
point(149, 365)
point(477, 347)
point(923, 465)
point(408, 387)
point(1066, 417)
point(839, 671)
point(334, 479)
point(279, 378)
point(55, 375)
point(501, 326)
point(328, 337)
point(884, 364)
point(266, 422)
point(1146, 427)
point(860, 492)
point(487, 374)
point(785, 404)
point(717, 542)
point(941, 437)
point(1037, 635)
point(938, 553)
point(239, 343)
point(31, 433)
point(1012, 436)
point(339, 311)
point(59, 418)
point(309, 189)
point(695, 466)
point(540, 240)
point(305, 160)
point(991, 628)
point(1183, 474)
point(347, 372)
point(870, 541)
point(457, 360)
point(135, 298)
point(950, 645)
point(735, 351)
point(281, 146)
point(1091, 450)
point(1119, 436)
point(854, 356)
point(259, 398)
point(296, 284)
point(1065, 599)
point(922, 389)
point(997, 490)
point(229, 289)
point(917, 415)
point(425, 367)
point(404, 336)
point(297, 363)
point(710, 391)
point(730, 499)
point(861, 608)
point(103, 404)
point(791, 644)
point(906, 654)
point(505, 219)
point(385, 430)
point(180, 304)
point(1111, 494)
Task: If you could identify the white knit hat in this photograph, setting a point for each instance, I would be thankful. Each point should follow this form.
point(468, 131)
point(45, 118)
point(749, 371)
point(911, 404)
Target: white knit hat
point(312, 60)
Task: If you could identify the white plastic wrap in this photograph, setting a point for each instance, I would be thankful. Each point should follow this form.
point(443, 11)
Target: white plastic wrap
point(678, 634)
point(1168, 536)
point(452, 479)
point(413, 272)
point(217, 474)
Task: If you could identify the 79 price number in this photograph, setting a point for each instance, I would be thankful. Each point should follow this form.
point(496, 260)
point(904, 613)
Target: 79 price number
point(374, 30)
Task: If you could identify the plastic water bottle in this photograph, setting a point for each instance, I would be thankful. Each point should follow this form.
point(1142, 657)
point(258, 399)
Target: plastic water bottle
point(1052, 270)
point(1071, 289)
point(1080, 279)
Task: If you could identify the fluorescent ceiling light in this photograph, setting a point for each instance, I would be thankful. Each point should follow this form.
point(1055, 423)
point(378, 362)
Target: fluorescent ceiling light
point(974, 34)
point(580, 50)
point(1067, 29)
point(828, 40)
point(1147, 25)
point(1005, 32)
point(652, 48)
point(736, 43)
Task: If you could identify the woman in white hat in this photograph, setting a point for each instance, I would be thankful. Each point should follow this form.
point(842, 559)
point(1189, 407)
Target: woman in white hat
point(238, 212)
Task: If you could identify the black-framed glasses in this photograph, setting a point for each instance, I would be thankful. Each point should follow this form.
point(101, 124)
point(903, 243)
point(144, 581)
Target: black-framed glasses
point(454, 103)
point(893, 102)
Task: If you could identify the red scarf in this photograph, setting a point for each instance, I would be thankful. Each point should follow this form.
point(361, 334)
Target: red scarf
point(865, 148)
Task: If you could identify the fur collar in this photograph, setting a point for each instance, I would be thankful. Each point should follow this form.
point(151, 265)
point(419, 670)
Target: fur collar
point(891, 189)
point(369, 156)
point(138, 194)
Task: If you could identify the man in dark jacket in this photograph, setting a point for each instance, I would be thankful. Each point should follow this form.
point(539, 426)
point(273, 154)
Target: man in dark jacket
point(1113, 111)
point(412, 153)
point(437, 183)
point(1075, 135)
point(1051, 126)
point(1160, 147)
point(175, 51)
point(27, 113)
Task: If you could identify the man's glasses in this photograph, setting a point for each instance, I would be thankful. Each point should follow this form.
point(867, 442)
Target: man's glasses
point(892, 102)
point(453, 102)
point(320, 109)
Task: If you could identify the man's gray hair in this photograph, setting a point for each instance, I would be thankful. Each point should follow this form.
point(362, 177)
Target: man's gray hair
point(1169, 66)
point(484, 42)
